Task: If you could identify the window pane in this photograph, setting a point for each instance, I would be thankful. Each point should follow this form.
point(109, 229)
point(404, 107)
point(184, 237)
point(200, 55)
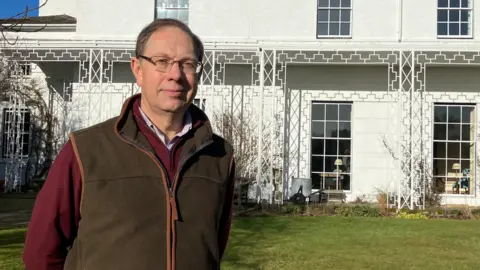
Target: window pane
point(439, 167)
point(331, 147)
point(322, 29)
point(334, 15)
point(344, 130)
point(464, 29)
point(467, 133)
point(334, 29)
point(345, 182)
point(161, 3)
point(322, 15)
point(183, 15)
point(330, 164)
point(440, 132)
point(439, 150)
point(450, 163)
point(465, 3)
point(318, 112)
point(464, 15)
point(467, 151)
point(317, 147)
point(161, 13)
point(317, 164)
point(332, 112)
point(442, 29)
point(467, 112)
point(345, 16)
point(454, 114)
point(442, 3)
point(454, 132)
point(317, 182)
point(334, 3)
point(454, 15)
point(172, 13)
point(331, 130)
point(183, 3)
point(346, 3)
point(466, 165)
point(454, 29)
point(454, 3)
point(345, 112)
point(345, 29)
point(442, 16)
point(318, 129)
point(322, 3)
point(344, 147)
point(453, 150)
point(440, 114)
point(172, 3)
point(439, 184)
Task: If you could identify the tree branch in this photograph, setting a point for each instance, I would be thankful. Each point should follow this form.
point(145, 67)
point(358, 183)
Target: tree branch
point(15, 24)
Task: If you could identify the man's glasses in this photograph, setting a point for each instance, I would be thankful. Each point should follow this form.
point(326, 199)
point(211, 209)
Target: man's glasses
point(164, 64)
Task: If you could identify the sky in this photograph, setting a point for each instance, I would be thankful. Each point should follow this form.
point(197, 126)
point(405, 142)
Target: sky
point(9, 8)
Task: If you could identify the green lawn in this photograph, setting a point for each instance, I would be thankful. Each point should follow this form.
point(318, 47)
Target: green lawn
point(330, 243)
point(353, 243)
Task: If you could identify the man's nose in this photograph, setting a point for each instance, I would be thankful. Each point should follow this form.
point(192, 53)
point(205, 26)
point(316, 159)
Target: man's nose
point(176, 71)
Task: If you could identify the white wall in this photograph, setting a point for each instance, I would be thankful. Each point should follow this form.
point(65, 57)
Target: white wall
point(58, 7)
point(283, 20)
point(420, 20)
point(112, 18)
point(286, 20)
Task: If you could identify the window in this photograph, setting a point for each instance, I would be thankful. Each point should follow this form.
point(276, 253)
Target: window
point(454, 18)
point(174, 9)
point(331, 145)
point(454, 148)
point(16, 132)
point(334, 18)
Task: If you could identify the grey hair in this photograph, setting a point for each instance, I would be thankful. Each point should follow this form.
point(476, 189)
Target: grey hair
point(157, 24)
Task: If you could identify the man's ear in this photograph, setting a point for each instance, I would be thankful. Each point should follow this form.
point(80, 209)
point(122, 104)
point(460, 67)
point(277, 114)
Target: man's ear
point(137, 70)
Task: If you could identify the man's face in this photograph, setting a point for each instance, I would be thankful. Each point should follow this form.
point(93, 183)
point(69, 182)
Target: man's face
point(171, 91)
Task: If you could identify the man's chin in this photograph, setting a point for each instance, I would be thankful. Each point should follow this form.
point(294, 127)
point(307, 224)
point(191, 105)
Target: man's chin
point(174, 107)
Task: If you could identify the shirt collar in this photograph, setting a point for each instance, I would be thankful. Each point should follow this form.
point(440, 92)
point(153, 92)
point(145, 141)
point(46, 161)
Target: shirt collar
point(187, 126)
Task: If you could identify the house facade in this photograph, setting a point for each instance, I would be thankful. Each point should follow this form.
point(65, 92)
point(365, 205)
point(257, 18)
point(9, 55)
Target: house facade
point(355, 96)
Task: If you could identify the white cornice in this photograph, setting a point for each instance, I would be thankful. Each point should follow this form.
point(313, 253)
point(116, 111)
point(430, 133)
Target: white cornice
point(249, 44)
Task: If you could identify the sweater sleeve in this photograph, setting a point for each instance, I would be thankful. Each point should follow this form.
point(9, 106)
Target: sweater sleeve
point(226, 218)
point(56, 213)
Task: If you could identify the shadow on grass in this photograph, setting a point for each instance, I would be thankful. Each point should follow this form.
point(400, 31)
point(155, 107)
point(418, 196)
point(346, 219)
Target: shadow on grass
point(247, 233)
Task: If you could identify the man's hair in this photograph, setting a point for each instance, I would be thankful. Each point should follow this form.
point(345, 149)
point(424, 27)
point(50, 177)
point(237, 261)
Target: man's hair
point(158, 24)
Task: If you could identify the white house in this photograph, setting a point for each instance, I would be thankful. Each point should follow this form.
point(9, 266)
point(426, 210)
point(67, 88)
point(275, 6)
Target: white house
point(389, 88)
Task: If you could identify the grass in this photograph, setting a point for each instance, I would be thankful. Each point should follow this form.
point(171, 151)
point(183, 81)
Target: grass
point(352, 243)
point(11, 247)
point(329, 243)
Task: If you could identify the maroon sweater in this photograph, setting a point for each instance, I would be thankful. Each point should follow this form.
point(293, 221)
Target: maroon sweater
point(54, 223)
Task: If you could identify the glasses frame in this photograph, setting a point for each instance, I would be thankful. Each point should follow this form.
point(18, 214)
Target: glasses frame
point(171, 62)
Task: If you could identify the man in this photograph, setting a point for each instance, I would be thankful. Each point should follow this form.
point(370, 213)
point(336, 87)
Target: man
point(149, 189)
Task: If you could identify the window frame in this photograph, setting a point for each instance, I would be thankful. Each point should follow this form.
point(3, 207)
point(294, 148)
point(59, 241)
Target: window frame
point(324, 138)
point(473, 140)
point(329, 22)
point(469, 9)
point(4, 135)
point(178, 8)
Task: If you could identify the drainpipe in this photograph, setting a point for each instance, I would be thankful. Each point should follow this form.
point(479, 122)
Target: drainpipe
point(400, 20)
